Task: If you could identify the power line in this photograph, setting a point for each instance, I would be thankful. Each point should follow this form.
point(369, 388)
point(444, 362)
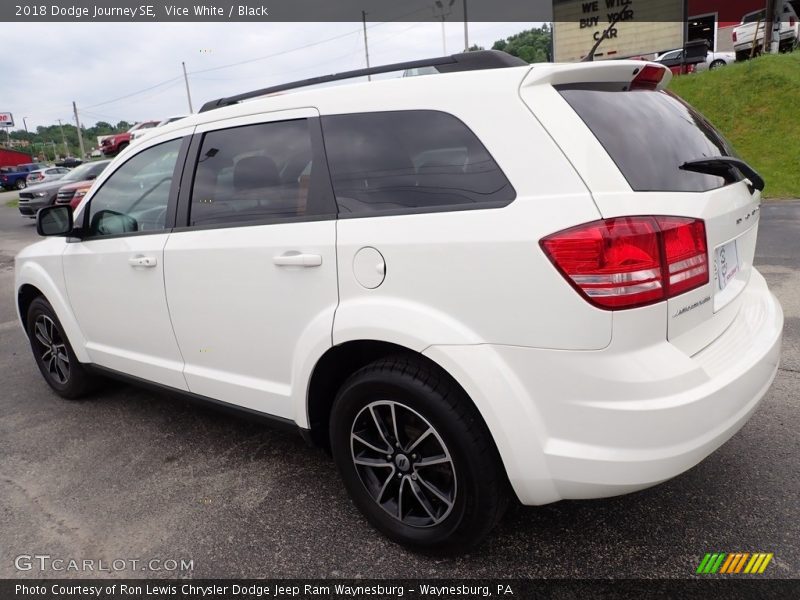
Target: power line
point(252, 60)
point(136, 93)
point(311, 45)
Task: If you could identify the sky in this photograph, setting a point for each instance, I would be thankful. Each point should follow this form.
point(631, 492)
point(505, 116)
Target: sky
point(132, 71)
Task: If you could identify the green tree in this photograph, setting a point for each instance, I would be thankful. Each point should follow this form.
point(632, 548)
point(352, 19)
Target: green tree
point(48, 140)
point(532, 45)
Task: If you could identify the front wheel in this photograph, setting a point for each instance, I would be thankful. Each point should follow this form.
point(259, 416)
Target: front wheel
point(416, 457)
point(54, 355)
point(717, 64)
point(20, 185)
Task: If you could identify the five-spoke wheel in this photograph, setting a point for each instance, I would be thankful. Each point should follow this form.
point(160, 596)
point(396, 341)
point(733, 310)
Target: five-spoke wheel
point(415, 455)
point(52, 349)
point(404, 463)
point(54, 356)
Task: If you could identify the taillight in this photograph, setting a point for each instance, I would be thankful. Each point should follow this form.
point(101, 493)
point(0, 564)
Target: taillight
point(734, 36)
point(629, 262)
point(648, 78)
point(792, 21)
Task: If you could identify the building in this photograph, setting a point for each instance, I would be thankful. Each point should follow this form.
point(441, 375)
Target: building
point(714, 20)
point(644, 27)
point(12, 158)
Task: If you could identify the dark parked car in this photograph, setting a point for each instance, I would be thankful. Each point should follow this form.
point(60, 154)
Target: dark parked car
point(38, 196)
point(70, 162)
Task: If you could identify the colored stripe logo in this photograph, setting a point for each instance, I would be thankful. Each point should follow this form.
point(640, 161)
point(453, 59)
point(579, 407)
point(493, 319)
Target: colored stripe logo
point(734, 563)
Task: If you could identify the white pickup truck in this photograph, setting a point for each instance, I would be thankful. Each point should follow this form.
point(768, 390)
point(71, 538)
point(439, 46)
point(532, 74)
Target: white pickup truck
point(789, 31)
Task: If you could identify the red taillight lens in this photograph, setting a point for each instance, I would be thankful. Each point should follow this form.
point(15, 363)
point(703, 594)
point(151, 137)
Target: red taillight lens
point(734, 36)
point(648, 78)
point(792, 21)
point(685, 253)
point(631, 261)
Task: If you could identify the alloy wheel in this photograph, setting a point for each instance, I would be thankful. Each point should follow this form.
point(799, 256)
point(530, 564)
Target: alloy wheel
point(403, 463)
point(52, 348)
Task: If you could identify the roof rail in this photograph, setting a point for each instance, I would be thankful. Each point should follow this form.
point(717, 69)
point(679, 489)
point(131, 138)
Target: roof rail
point(465, 61)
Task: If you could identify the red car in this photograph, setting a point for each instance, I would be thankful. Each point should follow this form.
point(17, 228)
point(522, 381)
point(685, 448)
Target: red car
point(73, 194)
point(114, 144)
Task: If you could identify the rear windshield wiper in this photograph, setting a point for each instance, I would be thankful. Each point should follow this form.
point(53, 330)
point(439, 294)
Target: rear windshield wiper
point(725, 167)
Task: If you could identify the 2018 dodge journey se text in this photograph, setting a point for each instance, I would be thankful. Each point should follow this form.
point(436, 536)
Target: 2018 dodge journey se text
point(499, 280)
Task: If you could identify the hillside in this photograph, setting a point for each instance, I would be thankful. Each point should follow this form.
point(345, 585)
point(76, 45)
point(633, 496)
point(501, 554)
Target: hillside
point(756, 105)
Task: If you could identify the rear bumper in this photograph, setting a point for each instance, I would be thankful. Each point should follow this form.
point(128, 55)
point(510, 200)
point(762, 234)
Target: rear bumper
point(597, 424)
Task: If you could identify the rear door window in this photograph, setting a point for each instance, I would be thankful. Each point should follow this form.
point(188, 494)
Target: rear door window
point(409, 162)
point(649, 135)
point(258, 173)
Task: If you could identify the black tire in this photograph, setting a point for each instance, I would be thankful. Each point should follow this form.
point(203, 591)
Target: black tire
point(716, 64)
point(68, 378)
point(122, 147)
point(469, 477)
point(20, 184)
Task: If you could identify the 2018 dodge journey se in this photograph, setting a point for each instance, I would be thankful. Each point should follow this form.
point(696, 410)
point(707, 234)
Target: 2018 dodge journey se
point(499, 280)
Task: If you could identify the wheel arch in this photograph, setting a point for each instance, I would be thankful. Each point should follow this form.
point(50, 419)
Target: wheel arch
point(26, 294)
point(338, 363)
point(34, 281)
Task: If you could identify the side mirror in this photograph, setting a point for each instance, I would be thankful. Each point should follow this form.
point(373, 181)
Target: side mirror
point(54, 220)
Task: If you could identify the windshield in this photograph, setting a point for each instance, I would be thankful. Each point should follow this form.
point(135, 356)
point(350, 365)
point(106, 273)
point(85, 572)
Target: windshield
point(649, 135)
point(79, 173)
point(753, 17)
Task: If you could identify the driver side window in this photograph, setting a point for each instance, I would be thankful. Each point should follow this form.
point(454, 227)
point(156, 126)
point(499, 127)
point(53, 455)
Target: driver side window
point(135, 197)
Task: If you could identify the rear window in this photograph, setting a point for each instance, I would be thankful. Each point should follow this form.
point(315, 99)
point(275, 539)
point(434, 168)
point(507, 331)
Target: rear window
point(649, 135)
point(753, 17)
point(402, 162)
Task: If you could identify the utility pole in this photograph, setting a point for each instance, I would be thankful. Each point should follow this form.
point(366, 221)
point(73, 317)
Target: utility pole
point(768, 19)
point(63, 138)
point(442, 11)
point(188, 93)
point(80, 134)
point(466, 28)
point(366, 45)
point(25, 123)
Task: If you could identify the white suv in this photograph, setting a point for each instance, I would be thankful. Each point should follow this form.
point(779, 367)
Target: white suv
point(532, 281)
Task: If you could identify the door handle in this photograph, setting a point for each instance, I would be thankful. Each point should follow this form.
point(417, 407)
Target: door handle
point(295, 259)
point(142, 261)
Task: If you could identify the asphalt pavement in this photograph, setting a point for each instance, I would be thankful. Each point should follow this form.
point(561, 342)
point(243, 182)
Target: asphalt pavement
point(132, 475)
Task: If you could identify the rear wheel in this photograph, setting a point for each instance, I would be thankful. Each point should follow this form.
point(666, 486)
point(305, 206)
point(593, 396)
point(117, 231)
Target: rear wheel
point(716, 64)
point(54, 355)
point(416, 457)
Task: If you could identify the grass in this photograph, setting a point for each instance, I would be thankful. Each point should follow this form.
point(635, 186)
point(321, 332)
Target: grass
point(13, 203)
point(756, 105)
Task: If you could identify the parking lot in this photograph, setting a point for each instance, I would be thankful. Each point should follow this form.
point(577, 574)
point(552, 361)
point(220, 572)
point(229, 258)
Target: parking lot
point(129, 474)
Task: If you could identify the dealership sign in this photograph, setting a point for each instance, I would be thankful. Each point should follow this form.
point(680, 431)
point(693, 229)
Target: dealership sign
point(6, 119)
point(642, 27)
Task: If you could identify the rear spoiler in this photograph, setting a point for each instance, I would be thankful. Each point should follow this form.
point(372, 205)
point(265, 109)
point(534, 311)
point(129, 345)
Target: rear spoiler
point(628, 74)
